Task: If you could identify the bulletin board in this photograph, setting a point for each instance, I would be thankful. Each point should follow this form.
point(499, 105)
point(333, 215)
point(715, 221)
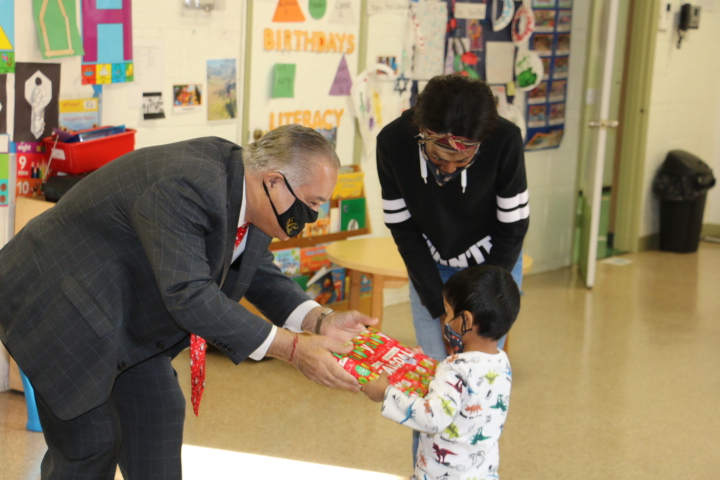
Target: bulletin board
point(480, 45)
point(302, 57)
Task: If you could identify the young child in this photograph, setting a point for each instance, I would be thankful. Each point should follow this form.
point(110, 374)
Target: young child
point(462, 416)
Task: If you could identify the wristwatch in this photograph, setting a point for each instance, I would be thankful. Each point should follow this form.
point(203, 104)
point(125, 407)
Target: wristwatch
point(320, 319)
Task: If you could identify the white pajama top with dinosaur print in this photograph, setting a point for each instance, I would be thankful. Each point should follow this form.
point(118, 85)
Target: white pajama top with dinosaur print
point(460, 419)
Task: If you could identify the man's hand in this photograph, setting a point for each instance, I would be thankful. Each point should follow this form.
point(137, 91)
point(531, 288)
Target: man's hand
point(313, 358)
point(375, 390)
point(311, 354)
point(343, 326)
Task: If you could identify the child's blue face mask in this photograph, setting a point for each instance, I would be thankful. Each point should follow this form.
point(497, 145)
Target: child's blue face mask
point(454, 338)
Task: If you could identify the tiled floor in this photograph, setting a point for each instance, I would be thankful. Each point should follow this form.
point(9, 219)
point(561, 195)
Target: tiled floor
point(619, 382)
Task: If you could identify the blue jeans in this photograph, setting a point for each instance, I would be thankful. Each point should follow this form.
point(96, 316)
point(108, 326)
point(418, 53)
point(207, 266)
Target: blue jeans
point(428, 331)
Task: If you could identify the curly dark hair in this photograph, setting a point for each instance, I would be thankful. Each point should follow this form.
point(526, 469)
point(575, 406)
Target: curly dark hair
point(458, 105)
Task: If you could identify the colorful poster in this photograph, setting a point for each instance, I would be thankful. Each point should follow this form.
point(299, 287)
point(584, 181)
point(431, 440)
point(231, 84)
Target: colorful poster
point(37, 87)
point(57, 30)
point(187, 98)
point(222, 89)
point(107, 39)
point(79, 114)
point(546, 102)
point(31, 165)
point(7, 36)
point(3, 104)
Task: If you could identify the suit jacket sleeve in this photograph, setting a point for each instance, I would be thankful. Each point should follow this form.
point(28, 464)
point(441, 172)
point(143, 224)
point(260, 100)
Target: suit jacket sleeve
point(273, 293)
point(172, 219)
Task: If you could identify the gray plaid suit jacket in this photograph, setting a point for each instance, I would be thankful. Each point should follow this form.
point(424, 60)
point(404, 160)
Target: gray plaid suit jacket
point(130, 261)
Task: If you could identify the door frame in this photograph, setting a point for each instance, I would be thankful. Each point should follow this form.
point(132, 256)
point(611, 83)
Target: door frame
point(634, 117)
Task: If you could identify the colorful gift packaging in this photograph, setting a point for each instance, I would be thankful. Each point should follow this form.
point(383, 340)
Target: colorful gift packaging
point(375, 353)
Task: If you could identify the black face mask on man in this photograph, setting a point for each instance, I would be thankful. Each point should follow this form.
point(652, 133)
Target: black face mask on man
point(293, 220)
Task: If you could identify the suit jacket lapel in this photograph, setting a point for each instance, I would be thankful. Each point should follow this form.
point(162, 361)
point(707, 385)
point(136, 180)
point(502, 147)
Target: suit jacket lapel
point(255, 248)
point(236, 175)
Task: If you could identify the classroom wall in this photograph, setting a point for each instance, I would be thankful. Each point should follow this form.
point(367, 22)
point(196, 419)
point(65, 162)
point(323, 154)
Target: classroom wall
point(684, 107)
point(551, 173)
point(188, 39)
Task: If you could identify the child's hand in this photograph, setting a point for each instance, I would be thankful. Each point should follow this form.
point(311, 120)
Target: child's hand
point(375, 390)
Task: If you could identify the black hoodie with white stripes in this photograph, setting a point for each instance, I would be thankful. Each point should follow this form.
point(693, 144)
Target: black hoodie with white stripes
point(485, 224)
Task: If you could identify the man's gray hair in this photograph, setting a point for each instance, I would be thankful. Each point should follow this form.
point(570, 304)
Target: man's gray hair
point(295, 150)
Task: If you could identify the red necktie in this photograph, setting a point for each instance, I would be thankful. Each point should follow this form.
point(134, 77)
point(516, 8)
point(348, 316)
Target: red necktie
point(198, 347)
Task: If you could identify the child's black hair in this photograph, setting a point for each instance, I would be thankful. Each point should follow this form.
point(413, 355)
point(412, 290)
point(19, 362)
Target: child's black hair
point(489, 293)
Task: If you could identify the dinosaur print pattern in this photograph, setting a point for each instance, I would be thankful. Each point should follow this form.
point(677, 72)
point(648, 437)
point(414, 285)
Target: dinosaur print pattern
point(461, 418)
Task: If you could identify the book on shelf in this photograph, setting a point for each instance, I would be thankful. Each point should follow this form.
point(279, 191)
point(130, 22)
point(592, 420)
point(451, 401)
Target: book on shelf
point(352, 214)
point(313, 259)
point(288, 261)
point(321, 287)
point(321, 226)
point(349, 185)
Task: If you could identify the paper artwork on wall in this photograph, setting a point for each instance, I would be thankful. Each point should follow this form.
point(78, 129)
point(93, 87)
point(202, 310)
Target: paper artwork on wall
point(222, 89)
point(546, 102)
point(7, 36)
point(504, 11)
point(3, 104)
point(288, 11)
point(187, 98)
point(37, 86)
point(523, 25)
point(367, 104)
point(429, 23)
point(283, 84)
point(317, 8)
point(467, 10)
point(107, 39)
point(152, 105)
point(343, 12)
point(528, 70)
point(343, 82)
point(499, 64)
point(57, 30)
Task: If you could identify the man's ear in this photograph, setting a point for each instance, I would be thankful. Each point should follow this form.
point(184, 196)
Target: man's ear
point(271, 179)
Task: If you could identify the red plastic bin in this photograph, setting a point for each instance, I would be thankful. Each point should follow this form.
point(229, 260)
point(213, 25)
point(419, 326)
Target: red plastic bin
point(82, 157)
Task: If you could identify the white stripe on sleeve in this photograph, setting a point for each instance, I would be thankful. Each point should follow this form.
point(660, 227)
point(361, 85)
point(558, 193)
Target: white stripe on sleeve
point(393, 205)
point(397, 217)
point(515, 215)
point(513, 202)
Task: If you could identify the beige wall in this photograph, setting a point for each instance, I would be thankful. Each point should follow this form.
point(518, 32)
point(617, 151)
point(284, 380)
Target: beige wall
point(685, 107)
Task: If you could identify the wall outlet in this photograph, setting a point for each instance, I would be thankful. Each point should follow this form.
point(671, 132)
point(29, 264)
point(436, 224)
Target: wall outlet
point(665, 19)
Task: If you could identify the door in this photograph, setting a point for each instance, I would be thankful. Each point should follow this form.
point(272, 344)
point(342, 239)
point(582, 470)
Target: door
point(601, 89)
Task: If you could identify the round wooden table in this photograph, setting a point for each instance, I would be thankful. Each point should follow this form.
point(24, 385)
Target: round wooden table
point(379, 259)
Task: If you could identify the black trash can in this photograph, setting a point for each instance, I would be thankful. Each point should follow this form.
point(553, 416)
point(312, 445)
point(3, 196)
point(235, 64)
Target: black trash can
point(682, 184)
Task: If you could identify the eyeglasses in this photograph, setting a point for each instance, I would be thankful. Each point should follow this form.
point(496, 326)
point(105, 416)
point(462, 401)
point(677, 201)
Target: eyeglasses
point(440, 161)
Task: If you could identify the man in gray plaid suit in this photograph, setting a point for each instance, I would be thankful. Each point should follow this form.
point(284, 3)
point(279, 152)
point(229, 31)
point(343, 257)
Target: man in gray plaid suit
point(100, 292)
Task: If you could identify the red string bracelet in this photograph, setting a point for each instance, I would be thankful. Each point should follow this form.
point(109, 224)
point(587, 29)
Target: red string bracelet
point(295, 342)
